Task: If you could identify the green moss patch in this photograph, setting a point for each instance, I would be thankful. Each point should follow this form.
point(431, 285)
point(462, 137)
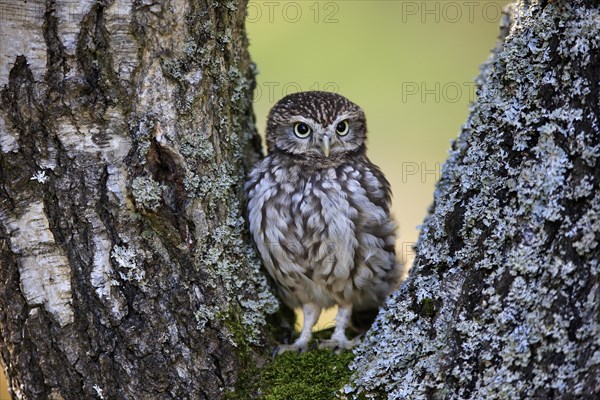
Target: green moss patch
point(317, 374)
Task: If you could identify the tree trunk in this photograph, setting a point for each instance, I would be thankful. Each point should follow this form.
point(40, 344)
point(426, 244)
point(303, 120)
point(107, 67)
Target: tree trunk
point(503, 301)
point(125, 131)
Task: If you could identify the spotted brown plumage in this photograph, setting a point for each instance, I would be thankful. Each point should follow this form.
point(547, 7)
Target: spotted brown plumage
point(319, 212)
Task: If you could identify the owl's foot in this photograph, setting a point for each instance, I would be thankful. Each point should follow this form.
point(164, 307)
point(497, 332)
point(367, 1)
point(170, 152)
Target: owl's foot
point(339, 344)
point(299, 346)
point(311, 315)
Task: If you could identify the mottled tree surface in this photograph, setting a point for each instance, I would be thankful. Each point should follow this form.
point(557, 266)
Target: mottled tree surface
point(503, 301)
point(125, 131)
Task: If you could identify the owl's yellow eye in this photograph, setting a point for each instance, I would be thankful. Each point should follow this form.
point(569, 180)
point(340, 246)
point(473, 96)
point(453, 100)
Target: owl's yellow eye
point(342, 128)
point(302, 130)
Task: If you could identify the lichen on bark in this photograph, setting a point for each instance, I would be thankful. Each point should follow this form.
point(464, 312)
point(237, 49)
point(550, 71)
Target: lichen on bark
point(503, 300)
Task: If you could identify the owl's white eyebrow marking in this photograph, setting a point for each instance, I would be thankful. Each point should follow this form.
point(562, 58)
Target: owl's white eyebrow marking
point(340, 118)
point(300, 118)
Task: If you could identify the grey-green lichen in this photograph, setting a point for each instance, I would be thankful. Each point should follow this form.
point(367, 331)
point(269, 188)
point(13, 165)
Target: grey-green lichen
point(197, 144)
point(222, 261)
point(224, 251)
point(510, 249)
point(146, 192)
point(203, 315)
point(126, 260)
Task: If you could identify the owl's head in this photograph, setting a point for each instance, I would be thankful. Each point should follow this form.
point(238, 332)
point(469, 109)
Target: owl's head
point(316, 125)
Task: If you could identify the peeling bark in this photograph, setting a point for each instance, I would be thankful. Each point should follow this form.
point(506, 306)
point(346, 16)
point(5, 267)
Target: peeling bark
point(125, 131)
point(503, 301)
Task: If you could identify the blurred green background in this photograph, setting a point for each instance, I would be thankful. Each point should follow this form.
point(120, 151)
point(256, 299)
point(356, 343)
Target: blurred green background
point(409, 64)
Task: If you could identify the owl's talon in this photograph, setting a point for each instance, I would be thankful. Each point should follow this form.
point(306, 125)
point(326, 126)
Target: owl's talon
point(338, 346)
point(275, 352)
point(296, 348)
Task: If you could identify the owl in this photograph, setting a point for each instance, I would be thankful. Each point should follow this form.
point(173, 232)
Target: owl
point(319, 213)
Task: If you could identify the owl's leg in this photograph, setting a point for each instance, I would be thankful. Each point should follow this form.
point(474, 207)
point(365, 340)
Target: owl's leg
point(311, 313)
point(338, 339)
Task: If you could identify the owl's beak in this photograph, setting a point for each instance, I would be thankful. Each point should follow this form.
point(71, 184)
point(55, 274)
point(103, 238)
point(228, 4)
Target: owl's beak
point(325, 146)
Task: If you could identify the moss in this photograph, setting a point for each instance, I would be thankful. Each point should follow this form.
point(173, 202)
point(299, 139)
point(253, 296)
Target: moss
point(246, 356)
point(317, 374)
point(240, 335)
point(428, 308)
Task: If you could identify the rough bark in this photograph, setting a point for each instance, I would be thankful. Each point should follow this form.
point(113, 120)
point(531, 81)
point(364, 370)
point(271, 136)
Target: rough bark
point(503, 301)
point(126, 128)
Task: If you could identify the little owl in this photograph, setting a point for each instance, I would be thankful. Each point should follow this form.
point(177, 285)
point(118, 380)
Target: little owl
point(319, 212)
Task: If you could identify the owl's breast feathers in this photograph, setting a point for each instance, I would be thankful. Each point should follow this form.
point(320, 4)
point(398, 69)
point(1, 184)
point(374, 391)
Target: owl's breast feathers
point(325, 235)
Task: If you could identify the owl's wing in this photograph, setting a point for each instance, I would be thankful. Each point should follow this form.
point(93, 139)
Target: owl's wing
point(376, 269)
point(257, 173)
point(379, 191)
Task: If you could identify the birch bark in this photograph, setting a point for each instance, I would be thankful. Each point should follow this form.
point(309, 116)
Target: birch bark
point(126, 128)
